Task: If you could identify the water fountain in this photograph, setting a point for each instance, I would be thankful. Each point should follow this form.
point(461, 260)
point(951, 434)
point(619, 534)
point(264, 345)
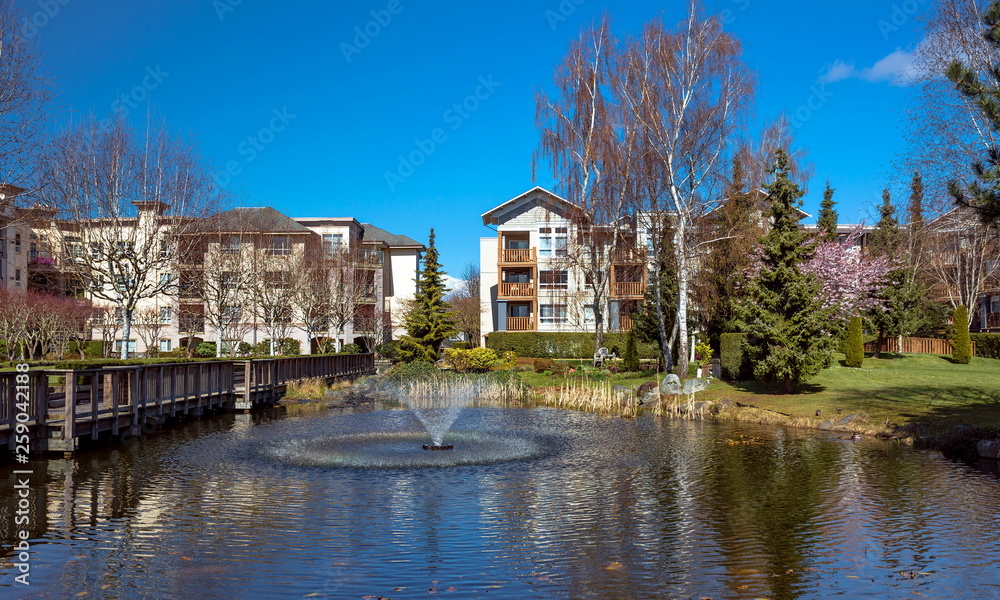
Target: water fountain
point(385, 439)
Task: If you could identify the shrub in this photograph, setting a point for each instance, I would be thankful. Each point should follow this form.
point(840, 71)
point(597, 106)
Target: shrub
point(509, 359)
point(388, 350)
point(962, 344)
point(855, 345)
point(291, 347)
point(631, 358)
point(461, 345)
point(987, 344)
point(350, 349)
point(418, 369)
point(205, 349)
point(703, 353)
point(90, 349)
point(732, 355)
point(542, 364)
point(480, 359)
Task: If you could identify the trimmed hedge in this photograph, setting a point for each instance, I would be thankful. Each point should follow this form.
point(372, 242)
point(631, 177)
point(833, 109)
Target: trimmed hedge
point(855, 347)
point(732, 355)
point(537, 344)
point(987, 344)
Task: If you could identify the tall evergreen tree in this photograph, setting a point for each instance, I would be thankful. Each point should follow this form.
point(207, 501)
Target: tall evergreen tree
point(430, 322)
point(827, 223)
point(962, 343)
point(782, 313)
point(982, 195)
point(900, 297)
point(737, 223)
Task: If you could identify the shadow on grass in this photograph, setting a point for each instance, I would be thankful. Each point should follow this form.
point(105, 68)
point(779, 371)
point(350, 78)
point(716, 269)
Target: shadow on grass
point(933, 409)
point(775, 388)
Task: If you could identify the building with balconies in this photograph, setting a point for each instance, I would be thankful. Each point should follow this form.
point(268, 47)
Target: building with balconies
point(532, 278)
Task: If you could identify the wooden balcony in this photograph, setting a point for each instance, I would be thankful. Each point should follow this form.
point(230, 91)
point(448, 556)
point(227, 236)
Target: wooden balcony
point(628, 289)
point(517, 290)
point(522, 256)
point(629, 255)
point(993, 320)
point(520, 323)
point(625, 323)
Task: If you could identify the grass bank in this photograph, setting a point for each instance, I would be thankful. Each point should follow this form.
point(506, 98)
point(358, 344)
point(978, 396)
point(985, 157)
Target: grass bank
point(912, 395)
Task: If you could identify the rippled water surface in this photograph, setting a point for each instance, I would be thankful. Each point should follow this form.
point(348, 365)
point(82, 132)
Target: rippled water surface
point(548, 504)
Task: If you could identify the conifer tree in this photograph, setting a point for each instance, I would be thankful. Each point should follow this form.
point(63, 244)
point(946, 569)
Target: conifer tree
point(430, 322)
point(782, 313)
point(827, 223)
point(982, 195)
point(962, 345)
point(630, 359)
point(855, 349)
point(900, 297)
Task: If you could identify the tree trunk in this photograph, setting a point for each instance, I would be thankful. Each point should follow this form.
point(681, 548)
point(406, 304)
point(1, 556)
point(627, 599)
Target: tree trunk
point(126, 332)
point(682, 301)
point(789, 387)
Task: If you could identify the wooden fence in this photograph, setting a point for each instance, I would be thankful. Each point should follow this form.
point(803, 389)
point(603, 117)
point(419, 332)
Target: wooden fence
point(913, 345)
point(64, 405)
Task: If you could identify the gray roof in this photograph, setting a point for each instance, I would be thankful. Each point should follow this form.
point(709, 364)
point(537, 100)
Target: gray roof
point(375, 234)
point(251, 220)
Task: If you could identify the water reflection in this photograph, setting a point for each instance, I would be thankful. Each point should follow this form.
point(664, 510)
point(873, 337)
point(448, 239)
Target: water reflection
point(616, 509)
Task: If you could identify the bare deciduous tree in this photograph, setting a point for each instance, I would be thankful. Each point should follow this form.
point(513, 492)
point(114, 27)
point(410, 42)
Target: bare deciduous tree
point(126, 201)
point(466, 305)
point(148, 324)
point(962, 258)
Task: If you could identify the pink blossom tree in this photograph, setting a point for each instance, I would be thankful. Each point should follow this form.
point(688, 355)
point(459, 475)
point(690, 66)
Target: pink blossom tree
point(851, 280)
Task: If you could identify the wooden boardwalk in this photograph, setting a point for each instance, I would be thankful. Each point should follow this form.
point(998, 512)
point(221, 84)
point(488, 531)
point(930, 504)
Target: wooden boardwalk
point(65, 406)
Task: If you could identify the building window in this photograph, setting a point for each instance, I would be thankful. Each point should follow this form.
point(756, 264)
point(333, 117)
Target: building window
point(166, 315)
point(229, 280)
point(165, 346)
point(131, 346)
point(17, 242)
point(279, 280)
point(17, 275)
point(553, 280)
point(96, 249)
point(281, 246)
point(552, 241)
point(552, 314)
point(232, 313)
point(164, 249)
point(995, 304)
point(588, 313)
point(333, 242)
point(166, 279)
point(518, 310)
point(231, 244)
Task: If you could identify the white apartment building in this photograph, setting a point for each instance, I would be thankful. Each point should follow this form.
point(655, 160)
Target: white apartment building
point(531, 280)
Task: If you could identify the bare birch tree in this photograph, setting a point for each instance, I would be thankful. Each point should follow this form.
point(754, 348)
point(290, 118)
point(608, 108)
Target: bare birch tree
point(23, 101)
point(125, 200)
point(689, 92)
point(962, 258)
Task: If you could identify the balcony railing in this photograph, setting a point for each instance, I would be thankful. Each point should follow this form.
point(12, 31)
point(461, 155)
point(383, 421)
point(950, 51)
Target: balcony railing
point(628, 288)
point(523, 255)
point(993, 320)
point(517, 290)
point(520, 323)
point(629, 255)
point(625, 323)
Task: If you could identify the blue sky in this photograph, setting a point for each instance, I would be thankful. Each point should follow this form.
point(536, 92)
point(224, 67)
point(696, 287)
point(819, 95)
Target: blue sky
point(298, 111)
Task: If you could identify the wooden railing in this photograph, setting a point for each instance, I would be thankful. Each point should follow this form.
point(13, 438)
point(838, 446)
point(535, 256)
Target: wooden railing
point(517, 290)
point(913, 345)
point(629, 255)
point(625, 323)
point(628, 288)
point(520, 324)
point(993, 320)
point(526, 255)
point(116, 400)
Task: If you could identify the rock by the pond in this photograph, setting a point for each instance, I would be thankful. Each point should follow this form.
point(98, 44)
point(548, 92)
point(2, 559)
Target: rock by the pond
point(650, 397)
point(851, 418)
point(621, 390)
point(671, 386)
point(989, 449)
point(649, 386)
point(826, 425)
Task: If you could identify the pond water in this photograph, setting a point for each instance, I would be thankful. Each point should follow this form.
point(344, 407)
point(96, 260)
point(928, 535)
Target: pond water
point(569, 506)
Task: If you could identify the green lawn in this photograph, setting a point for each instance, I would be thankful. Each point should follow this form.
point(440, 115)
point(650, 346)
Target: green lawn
point(925, 390)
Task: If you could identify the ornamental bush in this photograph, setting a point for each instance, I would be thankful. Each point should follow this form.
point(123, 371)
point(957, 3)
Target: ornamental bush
point(962, 344)
point(732, 356)
point(630, 360)
point(987, 344)
point(855, 346)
